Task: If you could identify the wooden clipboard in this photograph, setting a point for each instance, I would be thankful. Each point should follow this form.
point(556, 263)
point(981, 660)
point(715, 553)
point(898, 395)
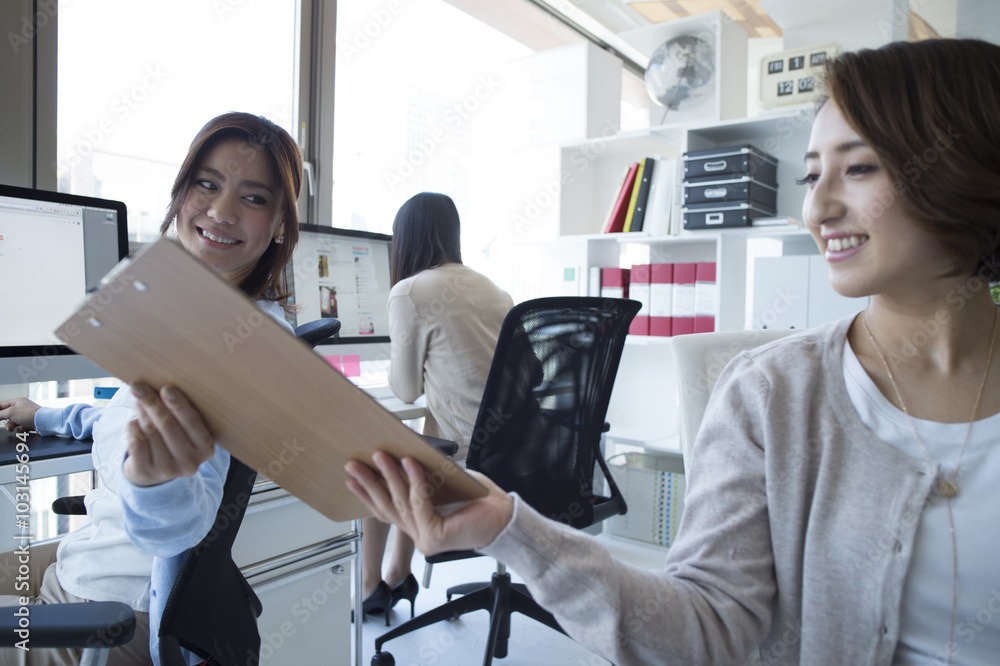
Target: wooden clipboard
point(165, 318)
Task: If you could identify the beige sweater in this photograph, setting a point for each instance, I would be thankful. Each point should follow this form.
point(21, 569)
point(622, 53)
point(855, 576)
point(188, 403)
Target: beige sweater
point(797, 532)
point(444, 323)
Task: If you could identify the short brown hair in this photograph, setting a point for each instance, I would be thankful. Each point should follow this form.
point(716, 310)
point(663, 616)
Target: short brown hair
point(268, 280)
point(931, 111)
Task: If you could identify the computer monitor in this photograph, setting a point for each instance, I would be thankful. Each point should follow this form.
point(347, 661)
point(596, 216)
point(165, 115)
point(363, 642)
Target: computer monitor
point(343, 273)
point(54, 248)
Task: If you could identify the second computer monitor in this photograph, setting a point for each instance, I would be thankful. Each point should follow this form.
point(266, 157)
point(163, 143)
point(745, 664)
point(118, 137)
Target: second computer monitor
point(343, 273)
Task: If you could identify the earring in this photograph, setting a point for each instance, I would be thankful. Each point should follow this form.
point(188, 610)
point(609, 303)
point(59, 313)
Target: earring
point(278, 240)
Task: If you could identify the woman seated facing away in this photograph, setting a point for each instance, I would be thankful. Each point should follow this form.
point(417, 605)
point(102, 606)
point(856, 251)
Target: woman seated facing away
point(444, 319)
point(232, 206)
point(841, 502)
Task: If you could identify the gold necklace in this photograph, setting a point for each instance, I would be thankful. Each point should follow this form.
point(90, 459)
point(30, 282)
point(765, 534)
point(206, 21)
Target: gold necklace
point(946, 488)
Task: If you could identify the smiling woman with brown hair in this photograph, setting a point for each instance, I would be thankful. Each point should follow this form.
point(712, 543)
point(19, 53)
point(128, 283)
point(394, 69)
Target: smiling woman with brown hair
point(233, 207)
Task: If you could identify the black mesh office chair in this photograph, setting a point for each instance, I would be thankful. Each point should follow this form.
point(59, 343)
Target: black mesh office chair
point(538, 434)
point(211, 609)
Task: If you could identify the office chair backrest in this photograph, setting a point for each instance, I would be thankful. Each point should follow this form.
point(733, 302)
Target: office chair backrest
point(700, 359)
point(212, 610)
point(540, 421)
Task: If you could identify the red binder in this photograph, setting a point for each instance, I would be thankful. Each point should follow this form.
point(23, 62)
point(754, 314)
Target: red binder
point(638, 289)
point(661, 299)
point(684, 276)
point(706, 297)
point(614, 282)
point(616, 221)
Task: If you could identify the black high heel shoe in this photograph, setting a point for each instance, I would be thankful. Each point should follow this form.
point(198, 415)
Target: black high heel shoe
point(379, 601)
point(406, 590)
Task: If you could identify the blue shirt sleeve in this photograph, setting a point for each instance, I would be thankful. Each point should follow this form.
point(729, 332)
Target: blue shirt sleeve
point(171, 517)
point(76, 421)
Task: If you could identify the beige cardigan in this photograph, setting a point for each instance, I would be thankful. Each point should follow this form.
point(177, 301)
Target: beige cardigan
point(444, 323)
point(797, 531)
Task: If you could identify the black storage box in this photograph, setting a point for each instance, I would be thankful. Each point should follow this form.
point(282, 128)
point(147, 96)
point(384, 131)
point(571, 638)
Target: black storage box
point(738, 190)
point(720, 216)
point(731, 162)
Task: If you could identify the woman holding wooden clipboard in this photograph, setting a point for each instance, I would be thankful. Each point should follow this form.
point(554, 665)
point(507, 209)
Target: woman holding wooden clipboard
point(841, 500)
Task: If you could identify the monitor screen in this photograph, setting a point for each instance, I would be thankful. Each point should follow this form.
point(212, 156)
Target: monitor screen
point(54, 248)
point(344, 274)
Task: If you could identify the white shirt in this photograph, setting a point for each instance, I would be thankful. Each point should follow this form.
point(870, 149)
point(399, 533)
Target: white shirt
point(925, 615)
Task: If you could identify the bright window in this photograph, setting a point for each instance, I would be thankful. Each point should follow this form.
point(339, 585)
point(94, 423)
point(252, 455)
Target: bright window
point(429, 98)
point(136, 81)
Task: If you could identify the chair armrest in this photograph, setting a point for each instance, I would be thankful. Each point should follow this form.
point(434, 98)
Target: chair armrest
point(92, 624)
point(445, 446)
point(315, 332)
point(451, 556)
point(72, 505)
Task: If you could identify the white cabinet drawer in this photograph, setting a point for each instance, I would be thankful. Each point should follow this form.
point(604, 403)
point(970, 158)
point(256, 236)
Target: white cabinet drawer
point(276, 523)
point(306, 610)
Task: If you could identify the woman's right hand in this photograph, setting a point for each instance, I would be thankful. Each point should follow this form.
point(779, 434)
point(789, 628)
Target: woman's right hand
point(396, 497)
point(168, 438)
point(20, 414)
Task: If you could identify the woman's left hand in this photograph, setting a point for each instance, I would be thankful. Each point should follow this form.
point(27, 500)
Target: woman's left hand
point(167, 440)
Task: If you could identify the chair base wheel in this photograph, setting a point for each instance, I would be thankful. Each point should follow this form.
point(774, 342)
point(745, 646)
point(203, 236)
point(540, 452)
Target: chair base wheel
point(383, 659)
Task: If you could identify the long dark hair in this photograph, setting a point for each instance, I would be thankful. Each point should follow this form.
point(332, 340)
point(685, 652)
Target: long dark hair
point(426, 233)
point(931, 111)
point(267, 281)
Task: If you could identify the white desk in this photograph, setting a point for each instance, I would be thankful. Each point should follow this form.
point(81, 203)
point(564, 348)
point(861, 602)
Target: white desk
point(404, 411)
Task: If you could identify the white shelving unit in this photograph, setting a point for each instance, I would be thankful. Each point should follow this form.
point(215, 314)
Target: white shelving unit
point(592, 171)
point(643, 410)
